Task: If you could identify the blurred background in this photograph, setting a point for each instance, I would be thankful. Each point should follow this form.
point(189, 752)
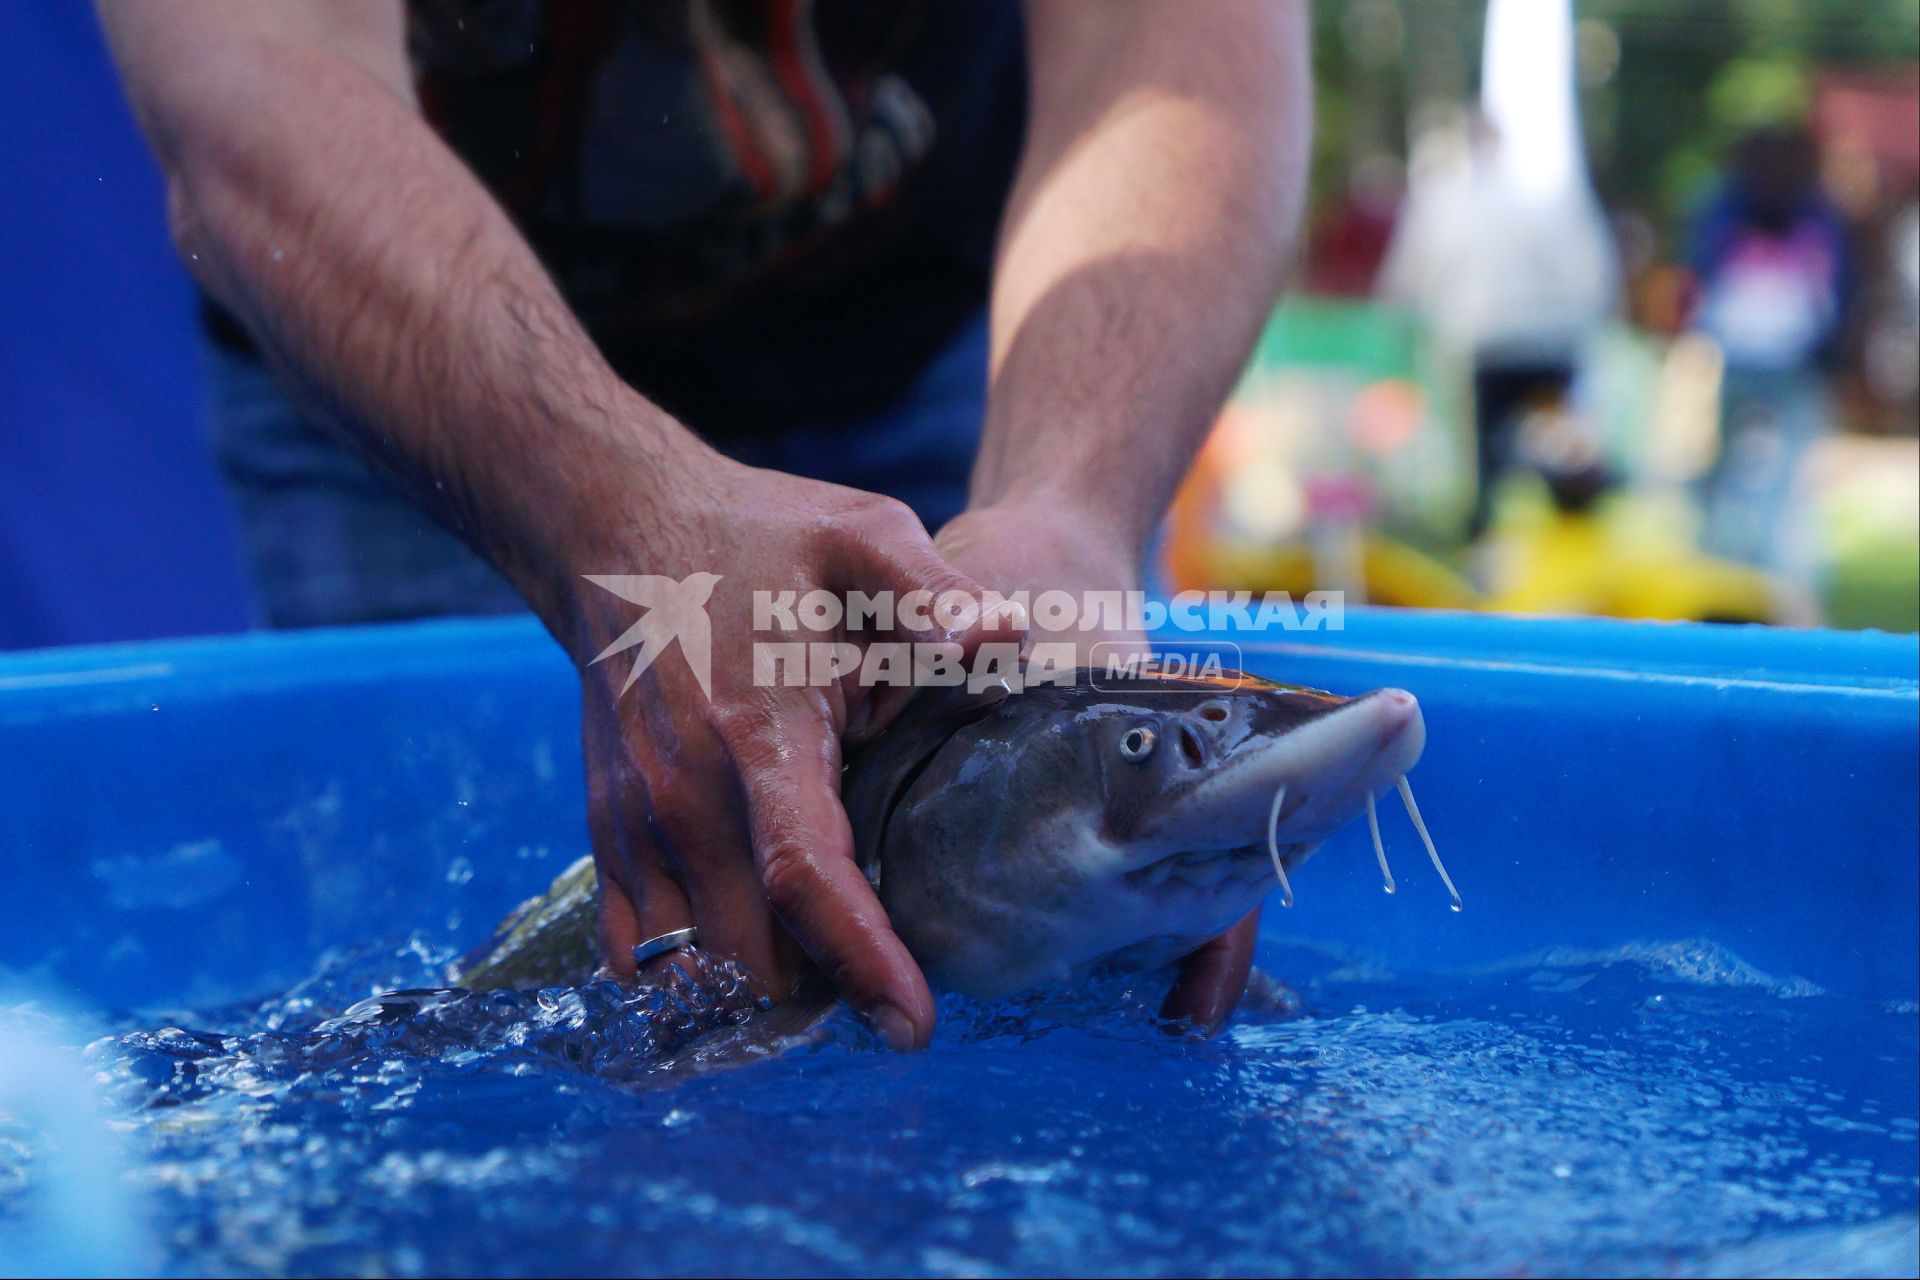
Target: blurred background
point(1608, 307)
point(1604, 308)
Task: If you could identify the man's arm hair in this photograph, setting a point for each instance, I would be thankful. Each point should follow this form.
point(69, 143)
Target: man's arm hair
point(1149, 231)
point(309, 196)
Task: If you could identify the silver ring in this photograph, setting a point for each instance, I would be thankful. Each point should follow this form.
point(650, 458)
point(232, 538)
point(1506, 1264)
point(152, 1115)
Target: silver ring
point(654, 948)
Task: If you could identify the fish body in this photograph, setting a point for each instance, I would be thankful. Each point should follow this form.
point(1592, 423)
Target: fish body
point(1023, 840)
point(550, 940)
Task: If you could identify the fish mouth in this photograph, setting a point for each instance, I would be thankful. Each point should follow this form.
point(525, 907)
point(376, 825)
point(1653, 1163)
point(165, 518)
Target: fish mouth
point(1207, 870)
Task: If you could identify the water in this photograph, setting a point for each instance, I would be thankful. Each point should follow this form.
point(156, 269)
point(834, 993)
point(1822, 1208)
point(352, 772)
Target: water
point(1651, 1109)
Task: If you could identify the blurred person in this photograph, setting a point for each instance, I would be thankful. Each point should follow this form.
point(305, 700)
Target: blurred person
point(1515, 284)
point(1773, 276)
point(679, 289)
point(1504, 248)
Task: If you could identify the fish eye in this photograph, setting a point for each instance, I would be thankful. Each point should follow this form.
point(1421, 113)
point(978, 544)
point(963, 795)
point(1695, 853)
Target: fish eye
point(1137, 743)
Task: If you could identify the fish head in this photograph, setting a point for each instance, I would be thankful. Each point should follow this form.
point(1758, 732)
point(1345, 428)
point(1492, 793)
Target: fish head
point(1071, 825)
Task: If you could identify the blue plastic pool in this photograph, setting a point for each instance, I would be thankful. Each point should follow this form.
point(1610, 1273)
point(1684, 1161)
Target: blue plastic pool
point(1673, 1032)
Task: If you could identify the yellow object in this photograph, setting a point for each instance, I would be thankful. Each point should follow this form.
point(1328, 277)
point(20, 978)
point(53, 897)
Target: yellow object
point(1392, 573)
point(1606, 563)
point(1576, 564)
point(1627, 557)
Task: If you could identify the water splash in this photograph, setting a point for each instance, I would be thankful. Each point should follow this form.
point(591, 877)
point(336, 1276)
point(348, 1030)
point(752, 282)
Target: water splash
point(614, 1031)
point(1589, 1111)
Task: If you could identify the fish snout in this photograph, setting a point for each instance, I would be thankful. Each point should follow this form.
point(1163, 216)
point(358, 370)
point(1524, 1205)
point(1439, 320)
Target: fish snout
point(1328, 762)
point(1357, 752)
point(1402, 730)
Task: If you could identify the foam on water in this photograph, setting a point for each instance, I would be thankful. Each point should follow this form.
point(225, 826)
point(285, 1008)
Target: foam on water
point(1653, 1109)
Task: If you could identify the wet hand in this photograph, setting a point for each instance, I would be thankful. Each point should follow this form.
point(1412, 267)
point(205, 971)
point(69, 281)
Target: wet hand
point(1037, 549)
point(719, 807)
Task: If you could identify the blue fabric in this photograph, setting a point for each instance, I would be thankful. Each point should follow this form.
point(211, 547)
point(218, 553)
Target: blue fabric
point(328, 542)
point(920, 450)
point(112, 526)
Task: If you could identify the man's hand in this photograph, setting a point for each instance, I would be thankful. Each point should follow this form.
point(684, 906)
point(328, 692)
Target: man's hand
point(1046, 547)
point(390, 288)
point(724, 813)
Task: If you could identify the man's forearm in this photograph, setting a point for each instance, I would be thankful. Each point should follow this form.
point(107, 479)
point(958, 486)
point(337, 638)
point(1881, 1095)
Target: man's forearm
point(1149, 232)
point(311, 198)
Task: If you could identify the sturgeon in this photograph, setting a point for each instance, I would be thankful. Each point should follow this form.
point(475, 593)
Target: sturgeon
point(1027, 839)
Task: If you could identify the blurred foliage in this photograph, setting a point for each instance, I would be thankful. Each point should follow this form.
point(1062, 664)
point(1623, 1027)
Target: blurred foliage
point(1665, 84)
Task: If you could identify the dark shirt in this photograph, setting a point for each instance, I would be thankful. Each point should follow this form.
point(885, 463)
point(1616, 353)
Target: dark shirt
point(764, 211)
point(1775, 278)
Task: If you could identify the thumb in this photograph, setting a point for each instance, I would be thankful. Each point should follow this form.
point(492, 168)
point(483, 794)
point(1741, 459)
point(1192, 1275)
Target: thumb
point(935, 604)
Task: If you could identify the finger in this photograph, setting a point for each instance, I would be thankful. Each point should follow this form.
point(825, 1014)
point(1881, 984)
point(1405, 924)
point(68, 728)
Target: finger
point(634, 913)
point(638, 899)
point(629, 918)
point(886, 547)
point(805, 849)
point(697, 815)
point(919, 568)
point(619, 929)
point(1212, 979)
point(934, 604)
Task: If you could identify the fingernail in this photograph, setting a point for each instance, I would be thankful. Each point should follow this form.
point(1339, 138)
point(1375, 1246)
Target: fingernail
point(892, 1026)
